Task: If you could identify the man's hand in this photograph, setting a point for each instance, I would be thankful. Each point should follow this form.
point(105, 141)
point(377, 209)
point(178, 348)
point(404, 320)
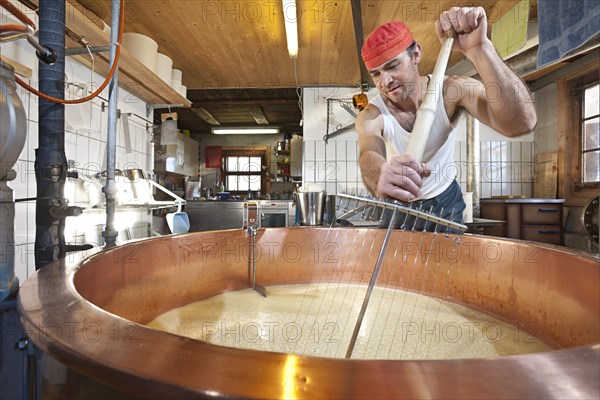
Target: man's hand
point(401, 177)
point(470, 25)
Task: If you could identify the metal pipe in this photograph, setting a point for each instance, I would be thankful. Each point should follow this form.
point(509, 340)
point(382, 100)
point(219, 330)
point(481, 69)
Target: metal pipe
point(473, 162)
point(374, 277)
point(74, 51)
point(110, 190)
point(50, 161)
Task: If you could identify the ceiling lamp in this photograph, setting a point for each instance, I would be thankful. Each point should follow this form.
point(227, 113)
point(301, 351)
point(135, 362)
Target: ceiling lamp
point(291, 26)
point(245, 131)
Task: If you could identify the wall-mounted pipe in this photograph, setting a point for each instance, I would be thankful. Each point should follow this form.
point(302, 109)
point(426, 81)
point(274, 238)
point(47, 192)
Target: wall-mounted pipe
point(110, 190)
point(50, 159)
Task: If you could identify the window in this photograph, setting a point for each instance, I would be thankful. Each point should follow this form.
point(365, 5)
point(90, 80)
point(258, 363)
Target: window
point(578, 137)
point(243, 170)
point(590, 139)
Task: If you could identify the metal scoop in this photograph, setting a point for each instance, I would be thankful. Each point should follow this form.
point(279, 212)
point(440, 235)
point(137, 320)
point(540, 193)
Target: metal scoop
point(250, 225)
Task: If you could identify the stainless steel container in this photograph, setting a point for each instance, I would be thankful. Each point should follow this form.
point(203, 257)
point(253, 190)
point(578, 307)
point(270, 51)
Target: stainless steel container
point(311, 206)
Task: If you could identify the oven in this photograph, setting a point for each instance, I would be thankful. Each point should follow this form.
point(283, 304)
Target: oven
point(273, 214)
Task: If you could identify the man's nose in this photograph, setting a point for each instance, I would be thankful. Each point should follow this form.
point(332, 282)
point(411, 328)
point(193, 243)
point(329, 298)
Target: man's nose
point(386, 79)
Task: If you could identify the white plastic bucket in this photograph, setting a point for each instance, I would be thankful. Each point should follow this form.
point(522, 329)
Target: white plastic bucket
point(164, 66)
point(141, 47)
point(183, 91)
point(176, 76)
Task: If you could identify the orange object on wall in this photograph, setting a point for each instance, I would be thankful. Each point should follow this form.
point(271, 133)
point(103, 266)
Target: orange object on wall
point(213, 156)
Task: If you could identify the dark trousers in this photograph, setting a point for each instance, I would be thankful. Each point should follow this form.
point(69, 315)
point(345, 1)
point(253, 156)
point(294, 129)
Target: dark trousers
point(448, 205)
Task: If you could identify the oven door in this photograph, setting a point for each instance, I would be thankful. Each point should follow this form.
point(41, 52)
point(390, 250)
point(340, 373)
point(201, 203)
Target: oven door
point(273, 218)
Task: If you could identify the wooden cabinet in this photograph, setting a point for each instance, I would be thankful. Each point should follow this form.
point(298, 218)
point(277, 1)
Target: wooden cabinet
point(538, 220)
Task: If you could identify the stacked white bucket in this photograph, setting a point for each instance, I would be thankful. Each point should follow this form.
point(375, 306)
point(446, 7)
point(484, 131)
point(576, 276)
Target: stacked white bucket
point(145, 50)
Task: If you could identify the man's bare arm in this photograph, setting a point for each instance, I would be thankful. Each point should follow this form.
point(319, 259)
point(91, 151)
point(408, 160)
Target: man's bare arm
point(501, 100)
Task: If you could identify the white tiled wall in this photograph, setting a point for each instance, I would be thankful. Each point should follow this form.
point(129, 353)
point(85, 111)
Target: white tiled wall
point(85, 144)
point(506, 164)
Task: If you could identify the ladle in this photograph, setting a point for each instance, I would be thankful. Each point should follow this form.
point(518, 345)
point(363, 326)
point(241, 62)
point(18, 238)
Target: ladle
point(251, 227)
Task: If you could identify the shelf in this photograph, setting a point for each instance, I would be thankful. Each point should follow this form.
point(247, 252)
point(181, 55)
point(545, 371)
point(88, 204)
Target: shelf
point(134, 76)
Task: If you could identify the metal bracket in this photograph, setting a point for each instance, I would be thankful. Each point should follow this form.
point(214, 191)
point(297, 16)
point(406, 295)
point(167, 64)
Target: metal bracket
point(75, 51)
point(151, 107)
point(338, 132)
point(348, 108)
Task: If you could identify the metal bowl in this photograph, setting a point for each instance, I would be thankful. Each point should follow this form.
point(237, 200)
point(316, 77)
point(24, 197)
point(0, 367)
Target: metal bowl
point(91, 315)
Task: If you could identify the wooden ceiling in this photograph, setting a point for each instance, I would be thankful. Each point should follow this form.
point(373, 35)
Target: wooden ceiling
point(233, 53)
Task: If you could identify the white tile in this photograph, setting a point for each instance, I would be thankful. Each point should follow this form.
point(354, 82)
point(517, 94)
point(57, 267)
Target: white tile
point(310, 172)
point(342, 175)
point(19, 184)
point(320, 151)
point(484, 149)
point(33, 113)
point(515, 171)
point(352, 171)
point(527, 152)
point(98, 124)
point(94, 152)
point(340, 150)
point(71, 146)
point(31, 225)
point(461, 170)
point(32, 139)
point(83, 149)
point(137, 141)
point(514, 151)
point(352, 150)
point(103, 156)
point(486, 190)
point(331, 188)
point(515, 189)
point(484, 172)
point(21, 263)
point(320, 171)
point(309, 150)
point(143, 161)
point(121, 157)
point(20, 227)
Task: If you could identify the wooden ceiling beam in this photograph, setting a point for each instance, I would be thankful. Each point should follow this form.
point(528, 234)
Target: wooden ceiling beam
point(242, 102)
point(258, 115)
point(206, 116)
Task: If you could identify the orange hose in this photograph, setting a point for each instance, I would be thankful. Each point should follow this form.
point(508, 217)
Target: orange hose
point(106, 81)
point(18, 13)
point(13, 28)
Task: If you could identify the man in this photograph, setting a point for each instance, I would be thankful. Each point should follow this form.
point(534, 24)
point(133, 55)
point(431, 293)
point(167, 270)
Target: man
point(391, 56)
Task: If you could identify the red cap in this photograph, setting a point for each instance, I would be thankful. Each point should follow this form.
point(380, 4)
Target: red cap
point(385, 43)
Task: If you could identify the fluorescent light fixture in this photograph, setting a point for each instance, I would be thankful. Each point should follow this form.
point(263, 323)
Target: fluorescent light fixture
point(245, 131)
point(290, 16)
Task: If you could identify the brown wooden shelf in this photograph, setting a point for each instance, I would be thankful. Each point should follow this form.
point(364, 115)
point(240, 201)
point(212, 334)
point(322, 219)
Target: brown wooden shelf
point(134, 76)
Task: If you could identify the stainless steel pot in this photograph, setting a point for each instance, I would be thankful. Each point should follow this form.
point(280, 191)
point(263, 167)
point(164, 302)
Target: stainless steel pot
point(13, 124)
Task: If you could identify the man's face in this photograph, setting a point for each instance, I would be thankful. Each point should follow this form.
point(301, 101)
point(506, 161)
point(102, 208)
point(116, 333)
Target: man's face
point(396, 78)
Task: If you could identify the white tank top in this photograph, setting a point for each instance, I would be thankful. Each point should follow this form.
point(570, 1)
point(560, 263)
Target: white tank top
point(439, 150)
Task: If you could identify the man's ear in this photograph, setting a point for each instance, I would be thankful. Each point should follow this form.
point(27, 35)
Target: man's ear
point(417, 53)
